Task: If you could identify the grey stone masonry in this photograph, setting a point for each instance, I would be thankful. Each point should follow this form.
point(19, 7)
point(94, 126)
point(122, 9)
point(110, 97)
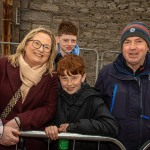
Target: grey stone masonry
point(100, 21)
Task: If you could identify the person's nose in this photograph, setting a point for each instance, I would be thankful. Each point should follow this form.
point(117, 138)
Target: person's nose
point(69, 82)
point(41, 49)
point(133, 45)
point(69, 42)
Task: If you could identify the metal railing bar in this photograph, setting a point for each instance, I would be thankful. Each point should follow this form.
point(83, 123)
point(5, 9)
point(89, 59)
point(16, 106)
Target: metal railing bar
point(74, 143)
point(146, 145)
point(98, 145)
point(9, 43)
point(102, 57)
point(73, 136)
point(97, 60)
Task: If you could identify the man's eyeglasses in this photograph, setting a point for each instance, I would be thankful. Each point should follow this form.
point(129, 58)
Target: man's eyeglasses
point(37, 44)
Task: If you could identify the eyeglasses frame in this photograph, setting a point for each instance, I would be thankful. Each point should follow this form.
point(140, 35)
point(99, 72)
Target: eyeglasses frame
point(41, 45)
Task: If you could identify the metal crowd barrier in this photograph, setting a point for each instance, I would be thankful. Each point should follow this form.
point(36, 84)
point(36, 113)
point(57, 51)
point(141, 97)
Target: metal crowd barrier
point(9, 43)
point(103, 54)
point(6, 43)
point(146, 146)
point(72, 136)
point(96, 61)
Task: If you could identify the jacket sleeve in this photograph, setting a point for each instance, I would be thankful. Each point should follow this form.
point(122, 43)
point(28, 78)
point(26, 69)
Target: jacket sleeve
point(101, 123)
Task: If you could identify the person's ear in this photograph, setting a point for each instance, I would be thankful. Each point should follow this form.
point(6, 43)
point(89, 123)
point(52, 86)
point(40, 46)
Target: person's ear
point(83, 77)
point(57, 38)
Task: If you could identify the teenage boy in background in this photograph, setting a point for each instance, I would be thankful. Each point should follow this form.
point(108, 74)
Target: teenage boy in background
point(67, 40)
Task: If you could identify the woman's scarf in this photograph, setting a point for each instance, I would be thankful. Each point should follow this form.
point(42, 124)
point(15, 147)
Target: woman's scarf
point(29, 76)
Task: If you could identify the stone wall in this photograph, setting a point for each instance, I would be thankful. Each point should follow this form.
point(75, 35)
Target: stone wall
point(100, 22)
point(15, 25)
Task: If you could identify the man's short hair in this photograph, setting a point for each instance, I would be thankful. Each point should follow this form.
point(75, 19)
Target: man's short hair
point(67, 27)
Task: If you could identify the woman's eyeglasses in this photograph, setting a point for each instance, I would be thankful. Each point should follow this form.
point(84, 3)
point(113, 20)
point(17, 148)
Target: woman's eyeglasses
point(37, 44)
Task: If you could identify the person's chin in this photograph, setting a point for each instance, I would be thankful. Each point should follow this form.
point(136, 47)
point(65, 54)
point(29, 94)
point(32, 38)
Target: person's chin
point(71, 91)
point(68, 51)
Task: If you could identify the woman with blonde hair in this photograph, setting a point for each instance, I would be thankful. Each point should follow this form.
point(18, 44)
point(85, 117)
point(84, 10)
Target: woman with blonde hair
point(28, 89)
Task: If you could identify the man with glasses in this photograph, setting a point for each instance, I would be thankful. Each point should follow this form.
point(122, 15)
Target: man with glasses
point(67, 40)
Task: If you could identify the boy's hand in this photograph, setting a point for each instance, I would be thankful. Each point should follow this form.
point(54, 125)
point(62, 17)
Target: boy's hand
point(52, 132)
point(63, 127)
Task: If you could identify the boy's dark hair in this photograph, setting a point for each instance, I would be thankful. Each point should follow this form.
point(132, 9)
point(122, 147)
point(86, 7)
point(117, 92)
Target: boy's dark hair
point(72, 64)
point(67, 27)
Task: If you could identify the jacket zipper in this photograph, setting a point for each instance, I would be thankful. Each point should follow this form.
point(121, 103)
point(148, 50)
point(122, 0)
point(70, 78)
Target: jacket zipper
point(141, 109)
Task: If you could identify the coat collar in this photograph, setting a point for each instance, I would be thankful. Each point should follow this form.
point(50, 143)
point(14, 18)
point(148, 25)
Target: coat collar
point(79, 97)
point(123, 70)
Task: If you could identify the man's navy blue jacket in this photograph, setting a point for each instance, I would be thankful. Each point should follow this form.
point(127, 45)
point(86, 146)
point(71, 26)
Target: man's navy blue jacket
point(127, 96)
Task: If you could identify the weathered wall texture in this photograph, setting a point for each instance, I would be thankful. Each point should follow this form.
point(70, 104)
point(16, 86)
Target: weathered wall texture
point(100, 21)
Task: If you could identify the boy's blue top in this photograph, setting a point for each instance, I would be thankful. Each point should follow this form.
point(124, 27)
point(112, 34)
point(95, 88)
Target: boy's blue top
point(75, 51)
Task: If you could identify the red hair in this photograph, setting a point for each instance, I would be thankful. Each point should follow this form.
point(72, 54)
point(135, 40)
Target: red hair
point(72, 64)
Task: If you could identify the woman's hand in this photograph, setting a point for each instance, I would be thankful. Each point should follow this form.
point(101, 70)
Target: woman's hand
point(52, 132)
point(10, 136)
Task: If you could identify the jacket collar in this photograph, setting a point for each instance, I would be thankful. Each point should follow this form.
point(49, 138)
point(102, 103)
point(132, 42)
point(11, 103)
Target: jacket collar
point(75, 51)
point(124, 69)
point(79, 97)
